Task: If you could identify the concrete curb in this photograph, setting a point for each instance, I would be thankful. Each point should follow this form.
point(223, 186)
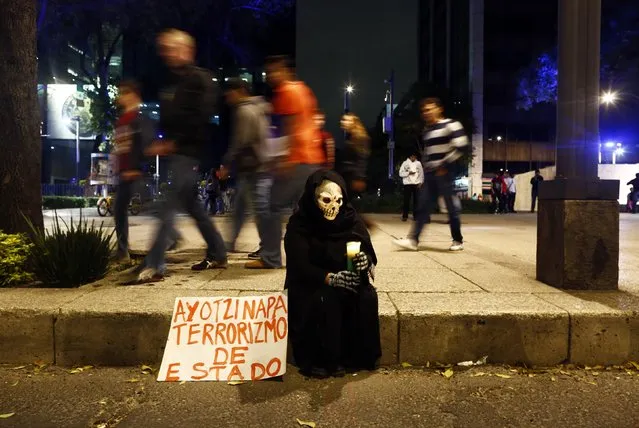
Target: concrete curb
point(128, 326)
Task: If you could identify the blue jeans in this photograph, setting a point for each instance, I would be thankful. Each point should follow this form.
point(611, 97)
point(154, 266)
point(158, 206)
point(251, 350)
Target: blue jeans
point(436, 186)
point(252, 189)
point(286, 191)
point(180, 196)
point(121, 216)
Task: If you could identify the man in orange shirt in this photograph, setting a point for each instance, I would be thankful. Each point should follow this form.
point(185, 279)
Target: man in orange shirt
point(292, 120)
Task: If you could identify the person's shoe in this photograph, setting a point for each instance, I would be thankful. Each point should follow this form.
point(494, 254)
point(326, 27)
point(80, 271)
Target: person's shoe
point(257, 264)
point(175, 246)
point(122, 258)
point(210, 264)
point(255, 255)
point(457, 246)
point(141, 275)
point(406, 244)
point(404, 219)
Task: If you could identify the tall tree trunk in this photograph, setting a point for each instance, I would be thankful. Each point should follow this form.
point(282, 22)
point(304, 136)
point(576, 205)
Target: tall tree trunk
point(20, 146)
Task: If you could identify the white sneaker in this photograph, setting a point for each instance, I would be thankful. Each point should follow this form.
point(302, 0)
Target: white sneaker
point(406, 244)
point(457, 246)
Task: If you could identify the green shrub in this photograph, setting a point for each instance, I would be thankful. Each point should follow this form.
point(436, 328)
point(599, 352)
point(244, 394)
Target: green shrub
point(60, 202)
point(92, 201)
point(72, 257)
point(14, 257)
point(392, 203)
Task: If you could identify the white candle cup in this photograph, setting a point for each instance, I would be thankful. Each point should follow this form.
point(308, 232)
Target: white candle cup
point(352, 249)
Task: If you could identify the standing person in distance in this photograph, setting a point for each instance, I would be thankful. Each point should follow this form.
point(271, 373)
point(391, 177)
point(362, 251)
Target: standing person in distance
point(328, 142)
point(442, 142)
point(292, 120)
point(534, 189)
point(511, 191)
point(412, 175)
point(132, 133)
point(186, 106)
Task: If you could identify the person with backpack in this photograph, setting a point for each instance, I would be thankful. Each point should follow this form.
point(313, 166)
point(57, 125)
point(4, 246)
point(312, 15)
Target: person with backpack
point(187, 104)
point(248, 152)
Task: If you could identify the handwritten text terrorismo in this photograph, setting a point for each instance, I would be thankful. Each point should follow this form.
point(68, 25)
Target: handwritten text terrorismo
point(226, 338)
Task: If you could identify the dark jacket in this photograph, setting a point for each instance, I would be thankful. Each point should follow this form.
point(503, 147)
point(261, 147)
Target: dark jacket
point(186, 107)
point(354, 159)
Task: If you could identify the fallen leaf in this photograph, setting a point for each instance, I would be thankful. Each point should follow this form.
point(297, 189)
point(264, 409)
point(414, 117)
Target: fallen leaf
point(427, 364)
point(598, 368)
point(132, 380)
point(406, 365)
point(15, 383)
point(595, 373)
point(588, 368)
point(564, 373)
point(103, 402)
point(531, 375)
point(18, 368)
point(235, 382)
point(552, 378)
point(146, 369)
point(591, 382)
point(448, 373)
point(87, 367)
point(503, 376)
point(634, 364)
point(40, 364)
point(76, 370)
point(306, 423)
point(478, 374)
point(354, 374)
point(8, 415)
point(183, 382)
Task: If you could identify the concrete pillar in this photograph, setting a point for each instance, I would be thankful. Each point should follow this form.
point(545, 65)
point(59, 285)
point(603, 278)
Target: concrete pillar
point(476, 83)
point(578, 220)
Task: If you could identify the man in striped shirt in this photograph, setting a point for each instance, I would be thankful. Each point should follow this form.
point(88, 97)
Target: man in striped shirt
point(442, 142)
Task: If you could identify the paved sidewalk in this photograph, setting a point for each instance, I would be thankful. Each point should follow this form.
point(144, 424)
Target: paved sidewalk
point(435, 306)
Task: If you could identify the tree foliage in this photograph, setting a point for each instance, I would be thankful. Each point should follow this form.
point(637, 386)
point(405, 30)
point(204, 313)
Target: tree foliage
point(537, 83)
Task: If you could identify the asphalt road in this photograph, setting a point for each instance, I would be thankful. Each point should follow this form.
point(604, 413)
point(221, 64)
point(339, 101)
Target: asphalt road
point(476, 397)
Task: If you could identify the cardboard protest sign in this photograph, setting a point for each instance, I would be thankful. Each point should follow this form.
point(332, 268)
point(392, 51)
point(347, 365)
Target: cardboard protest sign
point(226, 339)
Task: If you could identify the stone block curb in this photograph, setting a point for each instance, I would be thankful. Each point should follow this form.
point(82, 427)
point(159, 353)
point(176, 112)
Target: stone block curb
point(128, 326)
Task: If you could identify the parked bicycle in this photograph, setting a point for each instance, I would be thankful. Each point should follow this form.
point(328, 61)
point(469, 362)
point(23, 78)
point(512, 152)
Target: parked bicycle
point(105, 205)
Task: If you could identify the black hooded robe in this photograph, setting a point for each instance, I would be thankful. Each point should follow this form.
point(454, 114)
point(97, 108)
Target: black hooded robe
point(329, 327)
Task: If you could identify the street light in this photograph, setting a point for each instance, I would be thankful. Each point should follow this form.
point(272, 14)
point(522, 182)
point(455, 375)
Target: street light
point(499, 138)
point(347, 97)
point(76, 119)
point(609, 97)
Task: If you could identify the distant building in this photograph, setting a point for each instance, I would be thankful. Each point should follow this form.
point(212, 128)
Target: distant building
point(358, 43)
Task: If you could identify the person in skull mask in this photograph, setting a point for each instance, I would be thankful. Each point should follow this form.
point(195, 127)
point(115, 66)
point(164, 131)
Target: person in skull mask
point(333, 312)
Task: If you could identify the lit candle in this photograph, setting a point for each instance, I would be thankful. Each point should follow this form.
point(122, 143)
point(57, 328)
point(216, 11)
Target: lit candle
point(352, 249)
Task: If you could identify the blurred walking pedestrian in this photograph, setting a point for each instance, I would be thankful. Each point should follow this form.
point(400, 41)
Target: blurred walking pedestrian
point(293, 109)
point(442, 142)
point(248, 151)
point(133, 132)
point(186, 106)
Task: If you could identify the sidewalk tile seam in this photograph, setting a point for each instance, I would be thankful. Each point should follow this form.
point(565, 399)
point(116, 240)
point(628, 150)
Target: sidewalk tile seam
point(570, 321)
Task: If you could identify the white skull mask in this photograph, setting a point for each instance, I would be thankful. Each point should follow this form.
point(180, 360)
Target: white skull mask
point(329, 199)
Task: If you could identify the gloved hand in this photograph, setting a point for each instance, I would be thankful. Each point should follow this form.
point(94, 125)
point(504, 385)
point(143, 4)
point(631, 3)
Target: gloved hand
point(361, 262)
point(347, 280)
